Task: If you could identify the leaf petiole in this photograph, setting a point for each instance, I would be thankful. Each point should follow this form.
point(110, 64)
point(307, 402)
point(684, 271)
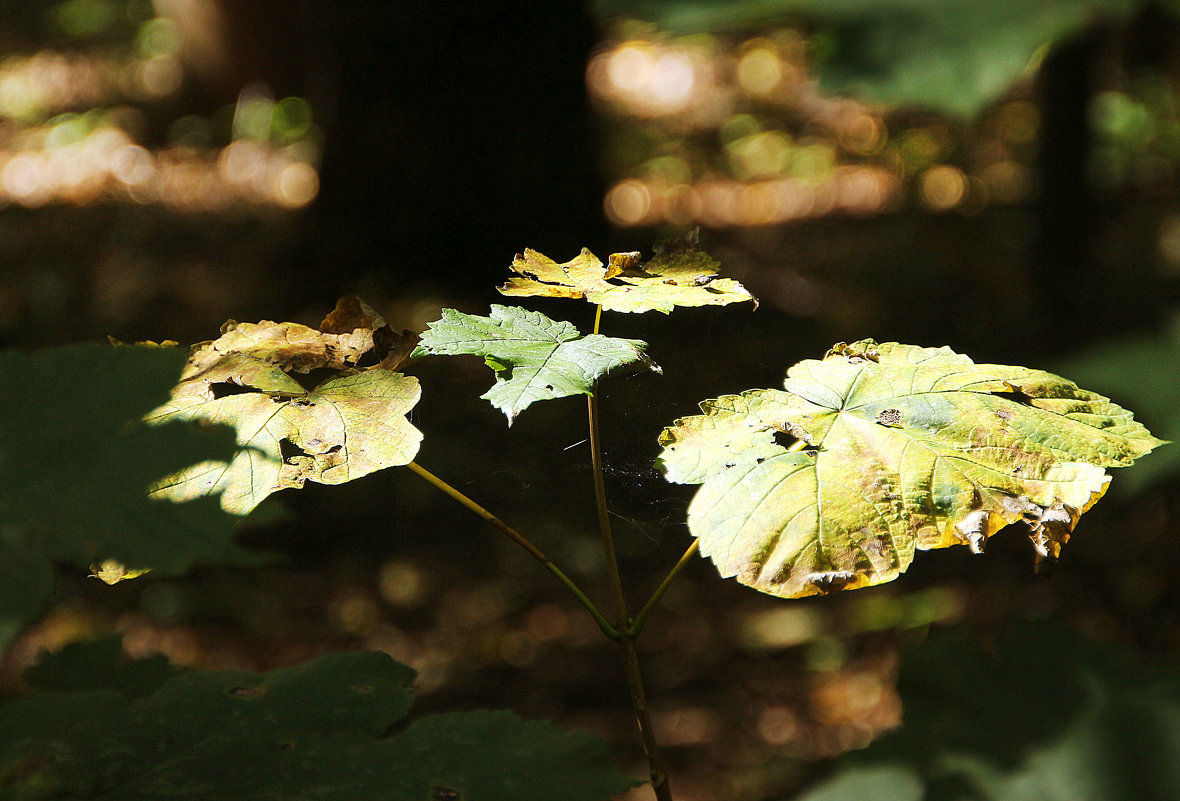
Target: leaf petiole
point(641, 619)
point(514, 535)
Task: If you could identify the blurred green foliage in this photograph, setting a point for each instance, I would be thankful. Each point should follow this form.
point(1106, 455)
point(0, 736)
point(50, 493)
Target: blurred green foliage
point(319, 730)
point(955, 56)
point(1143, 371)
point(1041, 714)
point(76, 461)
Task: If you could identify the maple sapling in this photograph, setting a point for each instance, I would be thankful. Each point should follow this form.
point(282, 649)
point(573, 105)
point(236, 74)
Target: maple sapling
point(831, 483)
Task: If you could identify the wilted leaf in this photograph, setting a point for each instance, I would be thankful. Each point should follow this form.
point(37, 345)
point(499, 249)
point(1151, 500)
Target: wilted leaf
point(534, 358)
point(354, 319)
point(319, 731)
point(679, 277)
point(351, 332)
point(76, 463)
point(352, 423)
point(895, 447)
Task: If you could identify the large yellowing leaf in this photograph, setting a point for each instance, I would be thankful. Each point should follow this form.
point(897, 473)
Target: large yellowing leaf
point(881, 449)
point(349, 424)
point(677, 277)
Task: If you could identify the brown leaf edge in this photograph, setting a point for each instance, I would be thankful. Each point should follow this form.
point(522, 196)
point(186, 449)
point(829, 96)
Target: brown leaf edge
point(391, 349)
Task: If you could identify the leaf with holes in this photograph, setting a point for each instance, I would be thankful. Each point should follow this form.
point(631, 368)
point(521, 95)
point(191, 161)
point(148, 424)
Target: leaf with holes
point(534, 358)
point(350, 423)
point(678, 276)
point(878, 450)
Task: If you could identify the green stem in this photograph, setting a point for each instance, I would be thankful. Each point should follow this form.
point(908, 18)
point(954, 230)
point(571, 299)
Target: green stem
point(608, 540)
point(607, 629)
point(641, 619)
point(655, 760)
point(637, 625)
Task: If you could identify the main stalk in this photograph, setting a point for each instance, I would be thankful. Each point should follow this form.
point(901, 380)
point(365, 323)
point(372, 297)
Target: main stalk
point(655, 760)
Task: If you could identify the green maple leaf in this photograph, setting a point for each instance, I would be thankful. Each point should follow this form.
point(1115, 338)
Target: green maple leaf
point(347, 426)
point(896, 448)
point(679, 277)
point(534, 358)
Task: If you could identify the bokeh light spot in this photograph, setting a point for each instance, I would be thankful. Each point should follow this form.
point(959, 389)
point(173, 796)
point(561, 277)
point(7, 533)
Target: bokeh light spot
point(160, 76)
point(630, 66)
point(401, 582)
point(778, 724)
point(942, 187)
point(132, 165)
point(628, 203)
point(296, 185)
point(26, 179)
point(672, 81)
point(759, 70)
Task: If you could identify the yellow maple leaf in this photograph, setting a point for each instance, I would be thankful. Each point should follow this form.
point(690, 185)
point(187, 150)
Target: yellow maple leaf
point(685, 277)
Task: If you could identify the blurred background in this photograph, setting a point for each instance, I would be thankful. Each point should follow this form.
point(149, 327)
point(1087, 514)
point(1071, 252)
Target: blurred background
point(987, 176)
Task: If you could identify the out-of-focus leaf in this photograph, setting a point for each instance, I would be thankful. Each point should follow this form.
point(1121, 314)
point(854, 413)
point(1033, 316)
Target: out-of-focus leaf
point(76, 463)
point(26, 581)
point(351, 424)
point(534, 358)
point(878, 783)
point(497, 756)
point(678, 277)
point(895, 448)
point(99, 665)
point(318, 731)
point(1118, 369)
point(1042, 715)
point(956, 56)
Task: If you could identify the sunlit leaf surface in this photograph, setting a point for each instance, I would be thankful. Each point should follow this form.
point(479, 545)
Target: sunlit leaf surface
point(678, 277)
point(534, 358)
point(350, 423)
point(878, 450)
